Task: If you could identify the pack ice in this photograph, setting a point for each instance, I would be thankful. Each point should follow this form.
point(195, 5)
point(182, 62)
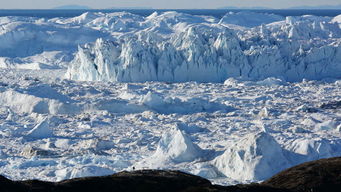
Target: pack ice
point(234, 100)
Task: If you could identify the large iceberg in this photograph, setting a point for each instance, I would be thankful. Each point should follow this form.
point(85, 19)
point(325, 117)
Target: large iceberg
point(254, 157)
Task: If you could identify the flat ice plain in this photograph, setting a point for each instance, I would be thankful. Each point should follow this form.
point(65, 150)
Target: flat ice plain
point(233, 100)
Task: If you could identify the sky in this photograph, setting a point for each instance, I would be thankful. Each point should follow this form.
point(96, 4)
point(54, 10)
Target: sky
point(162, 4)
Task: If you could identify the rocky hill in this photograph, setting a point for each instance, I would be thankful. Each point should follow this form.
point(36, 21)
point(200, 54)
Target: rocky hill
point(321, 175)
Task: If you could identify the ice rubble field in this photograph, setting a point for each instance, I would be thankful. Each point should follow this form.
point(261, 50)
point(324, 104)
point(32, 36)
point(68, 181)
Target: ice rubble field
point(233, 100)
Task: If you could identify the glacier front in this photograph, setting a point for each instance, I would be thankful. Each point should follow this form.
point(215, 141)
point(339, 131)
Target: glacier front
point(175, 47)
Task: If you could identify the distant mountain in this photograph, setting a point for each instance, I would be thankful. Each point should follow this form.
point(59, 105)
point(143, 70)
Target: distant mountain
point(131, 8)
point(318, 7)
point(72, 7)
point(231, 7)
point(297, 7)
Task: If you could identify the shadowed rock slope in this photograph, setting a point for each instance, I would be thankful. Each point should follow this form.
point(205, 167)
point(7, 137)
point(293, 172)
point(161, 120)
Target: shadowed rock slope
point(144, 180)
point(318, 176)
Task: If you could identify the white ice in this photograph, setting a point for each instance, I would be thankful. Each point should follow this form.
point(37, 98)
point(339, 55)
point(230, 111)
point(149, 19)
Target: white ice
point(101, 93)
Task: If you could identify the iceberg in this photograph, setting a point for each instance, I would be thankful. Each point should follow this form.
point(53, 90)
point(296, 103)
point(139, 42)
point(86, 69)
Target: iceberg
point(254, 157)
point(174, 147)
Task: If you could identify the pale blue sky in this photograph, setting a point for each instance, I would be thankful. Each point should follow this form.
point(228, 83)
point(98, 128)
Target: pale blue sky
point(162, 4)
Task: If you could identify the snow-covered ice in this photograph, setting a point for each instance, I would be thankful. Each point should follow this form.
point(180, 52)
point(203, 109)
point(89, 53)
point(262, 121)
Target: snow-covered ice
point(233, 100)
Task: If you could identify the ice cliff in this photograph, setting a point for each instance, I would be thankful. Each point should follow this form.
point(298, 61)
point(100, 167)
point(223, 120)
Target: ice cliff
point(196, 54)
point(182, 48)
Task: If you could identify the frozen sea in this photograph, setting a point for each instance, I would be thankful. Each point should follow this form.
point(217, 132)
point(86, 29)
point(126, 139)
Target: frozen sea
point(230, 96)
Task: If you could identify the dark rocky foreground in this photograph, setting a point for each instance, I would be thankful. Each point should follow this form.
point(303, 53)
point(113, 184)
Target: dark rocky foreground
point(320, 175)
point(317, 176)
